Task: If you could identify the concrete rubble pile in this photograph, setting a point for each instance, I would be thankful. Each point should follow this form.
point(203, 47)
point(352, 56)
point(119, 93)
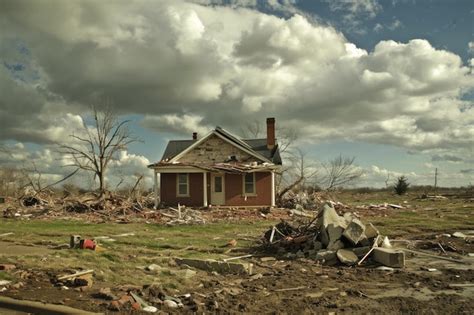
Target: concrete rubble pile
point(330, 239)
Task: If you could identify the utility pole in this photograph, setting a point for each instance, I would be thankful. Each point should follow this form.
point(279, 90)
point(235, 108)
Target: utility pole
point(436, 178)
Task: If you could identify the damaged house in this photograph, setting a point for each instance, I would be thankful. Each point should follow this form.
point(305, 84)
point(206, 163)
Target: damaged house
point(219, 169)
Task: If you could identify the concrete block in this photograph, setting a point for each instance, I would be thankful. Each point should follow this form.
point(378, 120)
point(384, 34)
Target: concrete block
point(330, 225)
point(347, 257)
point(217, 266)
point(327, 257)
point(371, 231)
point(389, 257)
point(361, 251)
point(354, 231)
point(338, 244)
point(328, 215)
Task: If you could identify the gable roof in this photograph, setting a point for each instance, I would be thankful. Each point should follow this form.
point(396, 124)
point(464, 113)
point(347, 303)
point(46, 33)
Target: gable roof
point(257, 146)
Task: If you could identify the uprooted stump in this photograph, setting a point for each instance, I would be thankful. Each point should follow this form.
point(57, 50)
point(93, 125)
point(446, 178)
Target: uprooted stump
point(31, 201)
point(77, 207)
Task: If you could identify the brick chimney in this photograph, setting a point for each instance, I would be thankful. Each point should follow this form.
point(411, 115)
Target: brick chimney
point(195, 135)
point(270, 133)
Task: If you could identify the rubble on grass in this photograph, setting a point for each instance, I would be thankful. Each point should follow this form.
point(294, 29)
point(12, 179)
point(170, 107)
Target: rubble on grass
point(182, 215)
point(327, 237)
point(149, 298)
point(304, 200)
point(112, 207)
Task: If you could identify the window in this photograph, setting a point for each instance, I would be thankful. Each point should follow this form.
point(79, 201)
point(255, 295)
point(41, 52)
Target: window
point(249, 184)
point(183, 185)
point(218, 184)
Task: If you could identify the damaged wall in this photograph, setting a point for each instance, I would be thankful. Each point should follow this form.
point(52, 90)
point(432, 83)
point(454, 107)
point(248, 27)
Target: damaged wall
point(215, 150)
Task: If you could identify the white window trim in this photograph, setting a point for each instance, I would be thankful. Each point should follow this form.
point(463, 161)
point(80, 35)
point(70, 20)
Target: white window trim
point(254, 193)
point(187, 185)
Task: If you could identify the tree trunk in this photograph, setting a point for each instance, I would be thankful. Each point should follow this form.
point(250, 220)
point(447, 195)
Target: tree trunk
point(101, 184)
point(287, 189)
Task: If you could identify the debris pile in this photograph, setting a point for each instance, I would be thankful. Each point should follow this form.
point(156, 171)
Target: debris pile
point(309, 201)
point(87, 206)
point(432, 197)
point(149, 298)
point(182, 215)
point(328, 238)
point(381, 206)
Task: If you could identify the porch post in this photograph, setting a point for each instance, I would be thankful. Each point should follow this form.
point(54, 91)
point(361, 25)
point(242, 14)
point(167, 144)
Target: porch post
point(204, 185)
point(155, 187)
point(273, 188)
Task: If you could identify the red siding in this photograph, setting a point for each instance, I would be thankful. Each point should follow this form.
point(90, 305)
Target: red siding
point(233, 190)
point(168, 190)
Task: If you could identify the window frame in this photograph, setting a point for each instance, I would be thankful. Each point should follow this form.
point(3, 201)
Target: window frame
point(178, 184)
point(254, 183)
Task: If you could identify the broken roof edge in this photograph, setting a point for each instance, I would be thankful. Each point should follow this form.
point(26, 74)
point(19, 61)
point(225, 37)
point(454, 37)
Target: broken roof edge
point(219, 167)
point(180, 154)
point(249, 151)
point(225, 135)
point(233, 137)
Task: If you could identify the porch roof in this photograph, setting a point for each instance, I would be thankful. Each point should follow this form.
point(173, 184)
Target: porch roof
point(233, 168)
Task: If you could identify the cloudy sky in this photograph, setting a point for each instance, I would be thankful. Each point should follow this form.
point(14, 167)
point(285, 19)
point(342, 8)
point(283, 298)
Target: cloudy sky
point(390, 82)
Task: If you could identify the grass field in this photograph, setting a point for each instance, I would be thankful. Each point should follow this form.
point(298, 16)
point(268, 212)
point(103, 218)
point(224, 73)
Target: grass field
point(123, 260)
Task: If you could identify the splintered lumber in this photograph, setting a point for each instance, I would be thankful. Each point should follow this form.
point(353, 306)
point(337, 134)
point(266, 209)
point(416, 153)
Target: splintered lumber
point(370, 251)
point(272, 235)
point(434, 256)
point(39, 307)
point(75, 275)
point(461, 285)
point(238, 257)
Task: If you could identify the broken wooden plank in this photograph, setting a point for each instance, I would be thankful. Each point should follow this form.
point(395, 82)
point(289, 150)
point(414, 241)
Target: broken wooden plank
point(461, 285)
point(34, 307)
point(272, 234)
point(434, 256)
point(374, 245)
point(75, 275)
point(238, 257)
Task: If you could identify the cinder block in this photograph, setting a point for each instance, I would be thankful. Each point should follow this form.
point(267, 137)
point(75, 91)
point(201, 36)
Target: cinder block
point(389, 257)
point(218, 266)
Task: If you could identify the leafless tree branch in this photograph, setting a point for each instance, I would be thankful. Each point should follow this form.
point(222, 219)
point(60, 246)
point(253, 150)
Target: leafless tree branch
point(102, 144)
point(340, 171)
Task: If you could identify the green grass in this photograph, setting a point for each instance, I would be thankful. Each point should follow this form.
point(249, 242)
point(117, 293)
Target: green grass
point(123, 261)
point(403, 222)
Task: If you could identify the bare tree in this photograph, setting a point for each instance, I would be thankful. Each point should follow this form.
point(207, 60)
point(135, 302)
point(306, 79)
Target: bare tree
point(300, 172)
point(286, 136)
point(387, 180)
point(11, 180)
point(99, 145)
point(340, 171)
point(252, 129)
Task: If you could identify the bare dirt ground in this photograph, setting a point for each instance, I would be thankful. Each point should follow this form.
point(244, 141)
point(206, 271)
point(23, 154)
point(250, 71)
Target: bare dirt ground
point(427, 285)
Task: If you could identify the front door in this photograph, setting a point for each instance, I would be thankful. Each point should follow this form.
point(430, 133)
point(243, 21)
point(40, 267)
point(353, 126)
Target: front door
point(217, 189)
